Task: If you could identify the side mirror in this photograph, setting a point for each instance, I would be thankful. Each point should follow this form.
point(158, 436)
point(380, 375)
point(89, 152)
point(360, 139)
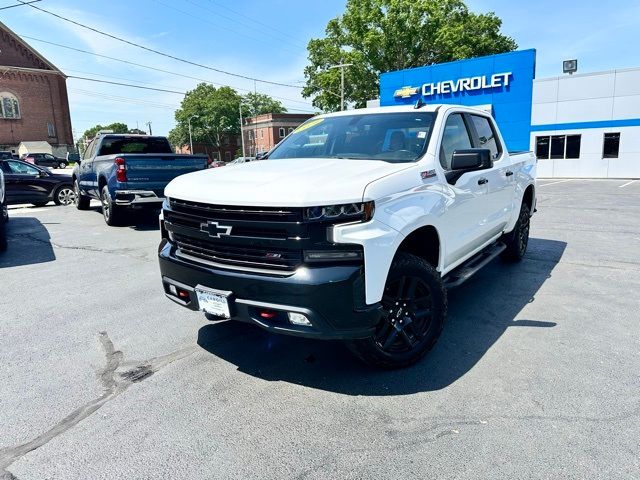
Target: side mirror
point(471, 159)
point(261, 155)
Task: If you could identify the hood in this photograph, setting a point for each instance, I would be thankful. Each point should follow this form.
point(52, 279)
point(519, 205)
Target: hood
point(281, 183)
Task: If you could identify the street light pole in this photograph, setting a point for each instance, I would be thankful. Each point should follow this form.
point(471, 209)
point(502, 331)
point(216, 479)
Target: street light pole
point(190, 138)
point(341, 67)
point(241, 132)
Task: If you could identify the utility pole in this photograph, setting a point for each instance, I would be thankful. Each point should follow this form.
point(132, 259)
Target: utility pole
point(190, 138)
point(241, 132)
point(148, 124)
point(341, 67)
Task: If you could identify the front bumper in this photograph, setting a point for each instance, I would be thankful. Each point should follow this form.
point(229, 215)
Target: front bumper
point(138, 198)
point(332, 298)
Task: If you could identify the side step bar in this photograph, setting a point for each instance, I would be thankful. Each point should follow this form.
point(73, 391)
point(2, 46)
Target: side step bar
point(465, 271)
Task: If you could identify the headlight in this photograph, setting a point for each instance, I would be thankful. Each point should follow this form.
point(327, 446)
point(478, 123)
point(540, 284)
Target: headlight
point(346, 212)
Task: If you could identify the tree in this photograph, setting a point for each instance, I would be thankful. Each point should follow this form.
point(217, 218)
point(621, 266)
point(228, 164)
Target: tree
point(260, 103)
point(378, 36)
point(117, 127)
point(215, 114)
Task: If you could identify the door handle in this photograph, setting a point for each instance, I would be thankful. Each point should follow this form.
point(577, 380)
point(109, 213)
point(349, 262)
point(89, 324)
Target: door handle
point(482, 181)
point(508, 173)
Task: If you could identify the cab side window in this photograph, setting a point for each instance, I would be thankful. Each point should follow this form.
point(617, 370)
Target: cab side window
point(486, 135)
point(88, 153)
point(455, 137)
point(19, 168)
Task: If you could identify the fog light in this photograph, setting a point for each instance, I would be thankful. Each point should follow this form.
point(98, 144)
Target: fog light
point(299, 319)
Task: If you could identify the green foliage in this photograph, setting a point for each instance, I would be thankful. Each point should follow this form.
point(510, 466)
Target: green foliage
point(215, 113)
point(260, 103)
point(117, 127)
point(378, 36)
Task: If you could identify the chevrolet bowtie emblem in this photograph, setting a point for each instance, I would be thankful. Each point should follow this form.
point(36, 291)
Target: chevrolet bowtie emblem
point(215, 230)
point(406, 92)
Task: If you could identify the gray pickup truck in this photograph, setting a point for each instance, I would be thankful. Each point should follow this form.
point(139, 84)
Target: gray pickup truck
point(128, 171)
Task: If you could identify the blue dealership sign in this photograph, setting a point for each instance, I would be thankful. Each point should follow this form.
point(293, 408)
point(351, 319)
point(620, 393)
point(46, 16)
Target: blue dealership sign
point(503, 81)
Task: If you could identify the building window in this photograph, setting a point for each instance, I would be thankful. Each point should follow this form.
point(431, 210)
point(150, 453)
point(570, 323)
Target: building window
point(51, 130)
point(558, 147)
point(573, 146)
point(261, 133)
point(227, 156)
point(9, 106)
point(290, 130)
point(281, 132)
point(611, 146)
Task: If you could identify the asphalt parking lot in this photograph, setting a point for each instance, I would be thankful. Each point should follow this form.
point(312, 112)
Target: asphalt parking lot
point(536, 374)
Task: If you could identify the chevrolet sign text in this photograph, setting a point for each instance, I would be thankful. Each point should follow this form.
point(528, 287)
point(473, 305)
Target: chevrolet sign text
point(467, 84)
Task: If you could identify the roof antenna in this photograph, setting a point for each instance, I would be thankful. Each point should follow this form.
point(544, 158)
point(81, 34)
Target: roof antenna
point(419, 104)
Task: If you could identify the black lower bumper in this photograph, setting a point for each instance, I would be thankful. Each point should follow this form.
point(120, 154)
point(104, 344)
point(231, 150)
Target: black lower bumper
point(332, 298)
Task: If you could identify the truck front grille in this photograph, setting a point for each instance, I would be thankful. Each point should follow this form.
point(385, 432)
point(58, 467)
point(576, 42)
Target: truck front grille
point(252, 257)
point(260, 238)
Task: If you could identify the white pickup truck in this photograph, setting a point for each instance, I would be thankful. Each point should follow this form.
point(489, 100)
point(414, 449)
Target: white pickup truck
point(353, 228)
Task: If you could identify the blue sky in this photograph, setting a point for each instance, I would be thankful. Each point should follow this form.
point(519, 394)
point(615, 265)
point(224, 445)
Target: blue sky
point(267, 39)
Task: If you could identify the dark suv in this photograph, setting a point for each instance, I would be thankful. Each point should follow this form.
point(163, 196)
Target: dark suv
point(46, 160)
point(4, 216)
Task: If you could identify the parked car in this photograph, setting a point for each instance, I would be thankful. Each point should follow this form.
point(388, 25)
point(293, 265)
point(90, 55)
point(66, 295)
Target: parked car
point(128, 171)
point(26, 183)
point(46, 160)
point(7, 155)
point(4, 215)
point(353, 228)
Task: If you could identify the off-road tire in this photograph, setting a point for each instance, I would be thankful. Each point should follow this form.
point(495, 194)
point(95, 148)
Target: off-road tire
point(518, 239)
point(81, 201)
point(414, 332)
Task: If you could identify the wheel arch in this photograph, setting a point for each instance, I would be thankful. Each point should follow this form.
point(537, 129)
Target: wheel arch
point(102, 182)
point(423, 242)
point(529, 197)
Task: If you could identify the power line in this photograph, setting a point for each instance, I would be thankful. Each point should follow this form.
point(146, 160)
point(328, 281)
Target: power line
point(152, 68)
point(157, 52)
point(216, 25)
point(152, 89)
point(264, 32)
point(270, 27)
point(126, 85)
point(19, 4)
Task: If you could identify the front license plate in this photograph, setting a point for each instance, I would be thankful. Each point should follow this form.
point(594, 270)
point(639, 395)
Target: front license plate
point(215, 302)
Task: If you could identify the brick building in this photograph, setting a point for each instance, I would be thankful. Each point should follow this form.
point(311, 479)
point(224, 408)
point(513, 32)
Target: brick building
point(226, 152)
point(263, 132)
point(34, 105)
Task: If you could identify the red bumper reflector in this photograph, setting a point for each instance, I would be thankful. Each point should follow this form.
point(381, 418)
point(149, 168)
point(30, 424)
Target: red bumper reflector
point(268, 314)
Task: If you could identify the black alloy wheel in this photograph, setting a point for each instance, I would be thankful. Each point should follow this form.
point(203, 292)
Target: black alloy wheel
point(518, 239)
point(414, 305)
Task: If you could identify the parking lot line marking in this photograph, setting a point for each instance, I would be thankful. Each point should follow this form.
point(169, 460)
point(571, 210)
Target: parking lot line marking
point(628, 183)
point(559, 181)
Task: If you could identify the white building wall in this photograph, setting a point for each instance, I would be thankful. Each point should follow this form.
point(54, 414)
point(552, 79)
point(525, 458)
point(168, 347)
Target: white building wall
point(590, 105)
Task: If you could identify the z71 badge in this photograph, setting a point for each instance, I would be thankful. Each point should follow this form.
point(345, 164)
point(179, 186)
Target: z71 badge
point(428, 174)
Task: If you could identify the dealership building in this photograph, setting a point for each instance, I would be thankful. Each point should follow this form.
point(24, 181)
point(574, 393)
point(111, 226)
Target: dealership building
point(579, 125)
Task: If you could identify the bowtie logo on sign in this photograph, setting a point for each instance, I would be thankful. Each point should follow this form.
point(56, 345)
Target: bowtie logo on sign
point(468, 84)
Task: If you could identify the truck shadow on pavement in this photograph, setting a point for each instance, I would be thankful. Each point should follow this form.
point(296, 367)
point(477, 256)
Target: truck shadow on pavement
point(29, 243)
point(480, 311)
point(142, 220)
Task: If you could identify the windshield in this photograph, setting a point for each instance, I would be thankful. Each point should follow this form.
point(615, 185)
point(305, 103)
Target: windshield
point(115, 145)
point(391, 137)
